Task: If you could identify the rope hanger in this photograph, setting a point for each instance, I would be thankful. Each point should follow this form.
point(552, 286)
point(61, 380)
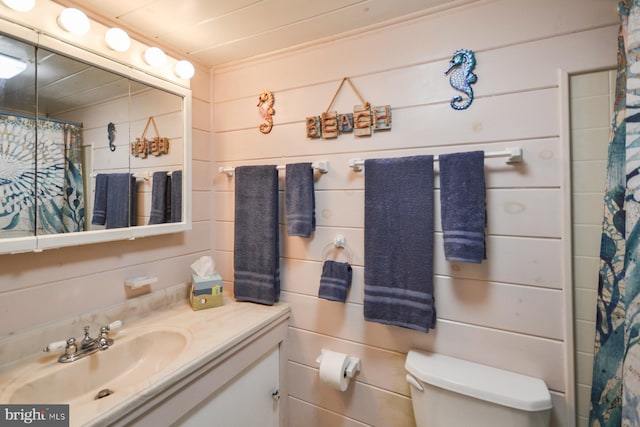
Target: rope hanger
point(335, 95)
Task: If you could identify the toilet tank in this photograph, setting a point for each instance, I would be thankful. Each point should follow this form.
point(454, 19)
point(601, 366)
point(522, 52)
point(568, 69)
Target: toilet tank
point(450, 392)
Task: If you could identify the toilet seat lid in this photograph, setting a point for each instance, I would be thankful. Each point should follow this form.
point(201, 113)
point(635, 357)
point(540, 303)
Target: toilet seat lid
point(482, 382)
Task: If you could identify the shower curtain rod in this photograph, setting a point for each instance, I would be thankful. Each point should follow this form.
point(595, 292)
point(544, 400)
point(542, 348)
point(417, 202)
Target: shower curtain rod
point(32, 117)
point(513, 155)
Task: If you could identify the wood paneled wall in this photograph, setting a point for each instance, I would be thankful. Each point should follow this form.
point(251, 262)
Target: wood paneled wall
point(39, 288)
point(512, 310)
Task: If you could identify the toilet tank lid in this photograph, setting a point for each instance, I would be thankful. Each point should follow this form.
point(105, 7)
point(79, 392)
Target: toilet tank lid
point(479, 381)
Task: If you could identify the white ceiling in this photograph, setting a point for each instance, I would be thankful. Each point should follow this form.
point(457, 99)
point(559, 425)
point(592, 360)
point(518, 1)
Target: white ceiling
point(214, 32)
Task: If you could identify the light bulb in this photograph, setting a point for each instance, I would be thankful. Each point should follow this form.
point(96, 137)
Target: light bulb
point(184, 69)
point(155, 57)
point(20, 5)
point(117, 39)
point(74, 21)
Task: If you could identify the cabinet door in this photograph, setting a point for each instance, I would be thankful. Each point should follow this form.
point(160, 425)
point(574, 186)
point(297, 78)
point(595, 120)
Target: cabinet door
point(246, 401)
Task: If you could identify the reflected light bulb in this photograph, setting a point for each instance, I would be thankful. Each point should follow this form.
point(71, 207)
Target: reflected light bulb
point(74, 21)
point(155, 57)
point(117, 39)
point(10, 67)
point(184, 69)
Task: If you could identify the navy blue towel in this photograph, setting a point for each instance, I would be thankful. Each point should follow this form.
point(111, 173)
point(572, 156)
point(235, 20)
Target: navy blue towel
point(463, 206)
point(175, 198)
point(256, 252)
point(121, 200)
point(158, 198)
point(335, 280)
point(398, 242)
point(100, 200)
point(300, 204)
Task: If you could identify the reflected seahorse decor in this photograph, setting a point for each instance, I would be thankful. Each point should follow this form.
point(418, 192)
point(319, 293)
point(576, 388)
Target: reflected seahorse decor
point(266, 111)
point(464, 61)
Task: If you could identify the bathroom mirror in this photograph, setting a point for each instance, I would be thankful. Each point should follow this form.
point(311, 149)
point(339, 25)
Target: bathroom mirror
point(90, 150)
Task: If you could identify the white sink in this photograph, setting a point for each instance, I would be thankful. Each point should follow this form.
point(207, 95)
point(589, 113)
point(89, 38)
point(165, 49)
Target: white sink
point(135, 357)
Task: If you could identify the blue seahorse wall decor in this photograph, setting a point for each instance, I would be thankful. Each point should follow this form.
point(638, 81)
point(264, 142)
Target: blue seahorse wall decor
point(464, 61)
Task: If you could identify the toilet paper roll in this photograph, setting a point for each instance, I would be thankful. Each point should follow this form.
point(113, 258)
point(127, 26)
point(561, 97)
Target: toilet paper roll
point(333, 368)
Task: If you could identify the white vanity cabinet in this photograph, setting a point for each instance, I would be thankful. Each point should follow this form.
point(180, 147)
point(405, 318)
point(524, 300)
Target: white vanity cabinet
point(239, 388)
point(251, 399)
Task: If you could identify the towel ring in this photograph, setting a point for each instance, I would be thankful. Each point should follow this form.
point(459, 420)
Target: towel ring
point(334, 249)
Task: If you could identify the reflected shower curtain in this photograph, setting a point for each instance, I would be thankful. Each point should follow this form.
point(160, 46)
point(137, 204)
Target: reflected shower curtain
point(60, 193)
point(17, 175)
point(41, 182)
point(615, 392)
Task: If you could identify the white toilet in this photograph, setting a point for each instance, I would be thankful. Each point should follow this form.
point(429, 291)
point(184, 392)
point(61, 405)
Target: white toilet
point(450, 392)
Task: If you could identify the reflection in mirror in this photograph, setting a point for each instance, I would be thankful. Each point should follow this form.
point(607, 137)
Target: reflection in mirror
point(83, 149)
point(132, 145)
point(17, 138)
point(87, 109)
point(157, 125)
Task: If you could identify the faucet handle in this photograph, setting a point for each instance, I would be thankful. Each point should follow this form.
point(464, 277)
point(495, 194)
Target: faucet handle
point(115, 325)
point(110, 327)
point(55, 346)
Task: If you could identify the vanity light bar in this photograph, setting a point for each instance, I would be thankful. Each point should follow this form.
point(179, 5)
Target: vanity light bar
point(513, 155)
point(76, 22)
point(321, 166)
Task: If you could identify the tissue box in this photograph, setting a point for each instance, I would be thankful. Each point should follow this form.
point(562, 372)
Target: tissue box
point(202, 301)
point(208, 296)
point(206, 283)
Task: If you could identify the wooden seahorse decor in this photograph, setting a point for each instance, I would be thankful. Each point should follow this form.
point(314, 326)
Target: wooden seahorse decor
point(266, 111)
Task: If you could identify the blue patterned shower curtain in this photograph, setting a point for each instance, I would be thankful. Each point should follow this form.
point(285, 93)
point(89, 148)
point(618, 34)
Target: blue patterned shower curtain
point(41, 181)
point(615, 392)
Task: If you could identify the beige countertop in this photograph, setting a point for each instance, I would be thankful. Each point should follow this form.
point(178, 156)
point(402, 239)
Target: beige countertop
point(204, 336)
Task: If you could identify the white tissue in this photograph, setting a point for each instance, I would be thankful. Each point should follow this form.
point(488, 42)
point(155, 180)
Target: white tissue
point(336, 369)
point(204, 267)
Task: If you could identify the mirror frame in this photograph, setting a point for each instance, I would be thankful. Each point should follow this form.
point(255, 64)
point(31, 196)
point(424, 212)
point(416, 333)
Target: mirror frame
point(38, 243)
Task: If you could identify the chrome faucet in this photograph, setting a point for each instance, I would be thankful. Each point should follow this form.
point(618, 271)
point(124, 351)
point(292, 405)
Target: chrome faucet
point(88, 345)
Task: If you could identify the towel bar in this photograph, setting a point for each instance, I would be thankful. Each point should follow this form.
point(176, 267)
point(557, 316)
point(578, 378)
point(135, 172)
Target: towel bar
point(321, 166)
point(513, 155)
point(143, 175)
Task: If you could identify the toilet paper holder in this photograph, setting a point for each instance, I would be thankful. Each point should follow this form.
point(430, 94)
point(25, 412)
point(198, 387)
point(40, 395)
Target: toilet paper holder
point(352, 368)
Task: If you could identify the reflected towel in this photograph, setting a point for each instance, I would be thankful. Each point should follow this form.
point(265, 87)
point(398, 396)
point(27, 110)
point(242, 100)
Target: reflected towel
point(256, 252)
point(335, 280)
point(176, 196)
point(158, 198)
point(100, 200)
point(300, 202)
point(463, 206)
point(121, 200)
point(398, 242)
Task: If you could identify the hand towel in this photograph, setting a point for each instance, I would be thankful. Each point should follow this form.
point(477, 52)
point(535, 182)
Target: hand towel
point(256, 252)
point(121, 200)
point(100, 200)
point(167, 198)
point(398, 242)
point(335, 280)
point(176, 196)
point(158, 198)
point(463, 206)
point(300, 204)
